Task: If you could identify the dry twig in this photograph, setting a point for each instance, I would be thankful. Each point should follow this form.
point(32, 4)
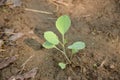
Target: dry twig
point(24, 64)
point(25, 76)
point(103, 62)
point(38, 11)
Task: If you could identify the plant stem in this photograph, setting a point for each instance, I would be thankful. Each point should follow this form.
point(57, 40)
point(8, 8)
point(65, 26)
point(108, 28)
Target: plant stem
point(63, 39)
point(67, 58)
point(63, 44)
point(63, 54)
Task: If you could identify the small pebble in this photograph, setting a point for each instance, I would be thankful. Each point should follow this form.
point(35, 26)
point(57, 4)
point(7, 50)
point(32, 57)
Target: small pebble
point(112, 66)
point(1, 43)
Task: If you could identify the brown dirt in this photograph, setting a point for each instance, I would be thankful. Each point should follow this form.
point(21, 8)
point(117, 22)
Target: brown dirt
point(96, 22)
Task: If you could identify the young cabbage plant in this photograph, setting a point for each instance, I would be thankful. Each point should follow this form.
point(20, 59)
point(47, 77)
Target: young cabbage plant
point(62, 65)
point(63, 23)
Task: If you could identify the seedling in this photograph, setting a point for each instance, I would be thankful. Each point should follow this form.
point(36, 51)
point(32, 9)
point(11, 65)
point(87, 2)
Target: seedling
point(62, 65)
point(63, 23)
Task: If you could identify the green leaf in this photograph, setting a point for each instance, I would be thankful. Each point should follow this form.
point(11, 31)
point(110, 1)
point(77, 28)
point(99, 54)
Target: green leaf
point(51, 37)
point(63, 23)
point(48, 45)
point(74, 51)
point(62, 65)
point(77, 45)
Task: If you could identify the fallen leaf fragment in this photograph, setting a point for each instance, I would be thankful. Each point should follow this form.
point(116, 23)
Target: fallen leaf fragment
point(6, 62)
point(25, 76)
point(2, 2)
point(16, 36)
point(8, 32)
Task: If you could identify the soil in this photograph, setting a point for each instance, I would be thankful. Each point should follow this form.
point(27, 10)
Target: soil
point(96, 22)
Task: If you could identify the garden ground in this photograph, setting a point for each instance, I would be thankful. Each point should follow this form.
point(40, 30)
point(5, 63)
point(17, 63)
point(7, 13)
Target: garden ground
point(96, 22)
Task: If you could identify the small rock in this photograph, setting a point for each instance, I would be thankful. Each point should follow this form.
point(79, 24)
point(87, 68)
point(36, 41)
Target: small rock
point(112, 66)
point(84, 70)
point(1, 43)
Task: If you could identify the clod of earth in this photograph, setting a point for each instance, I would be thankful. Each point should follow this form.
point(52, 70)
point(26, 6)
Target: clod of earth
point(33, 43)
